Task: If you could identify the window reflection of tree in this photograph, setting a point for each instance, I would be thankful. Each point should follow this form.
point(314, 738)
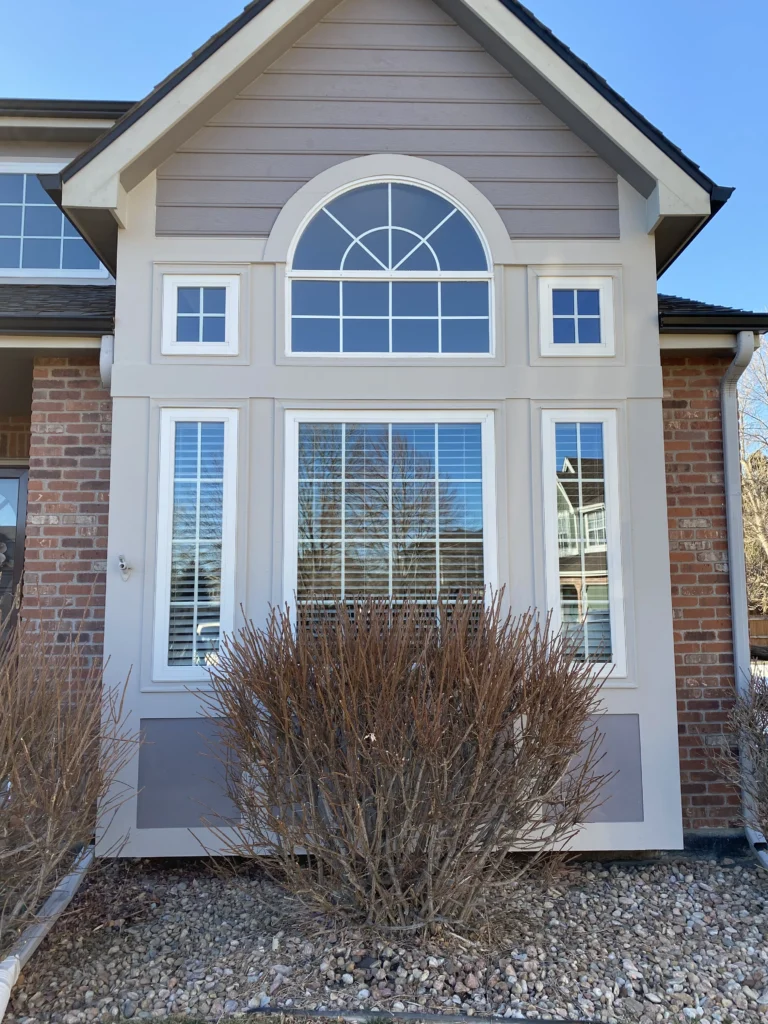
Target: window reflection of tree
point(394, 511)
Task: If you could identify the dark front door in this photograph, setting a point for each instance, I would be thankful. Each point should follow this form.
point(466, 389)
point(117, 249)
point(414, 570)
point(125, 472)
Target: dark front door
point(13, 515)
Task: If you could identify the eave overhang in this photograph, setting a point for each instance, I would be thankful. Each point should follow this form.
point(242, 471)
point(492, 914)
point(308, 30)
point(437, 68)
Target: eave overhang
point(680, 198)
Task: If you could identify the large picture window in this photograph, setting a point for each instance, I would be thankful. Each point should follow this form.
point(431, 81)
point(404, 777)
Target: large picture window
point(195, 540)
point(390, 269)
point(389, 506)
point(583, 542)
point(35, 236)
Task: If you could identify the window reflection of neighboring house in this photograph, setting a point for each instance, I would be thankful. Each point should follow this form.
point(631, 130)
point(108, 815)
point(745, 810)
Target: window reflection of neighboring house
point(582, 546)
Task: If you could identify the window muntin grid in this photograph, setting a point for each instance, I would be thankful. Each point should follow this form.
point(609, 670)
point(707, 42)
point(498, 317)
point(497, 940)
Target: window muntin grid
point(576, 316)
point(201, 314)
point(582, 546)
point(390, 268)
point(34, 233)
point(196, 543)
point(390, 509)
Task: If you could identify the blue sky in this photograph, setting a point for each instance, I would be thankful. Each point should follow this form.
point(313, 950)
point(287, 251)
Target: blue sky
point(694, 68)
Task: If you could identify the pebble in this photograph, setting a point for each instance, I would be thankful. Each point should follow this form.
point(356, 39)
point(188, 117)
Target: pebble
point(678, 941)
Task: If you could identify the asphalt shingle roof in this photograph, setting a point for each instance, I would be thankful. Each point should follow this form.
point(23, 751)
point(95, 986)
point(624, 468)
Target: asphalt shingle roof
point(57, 308)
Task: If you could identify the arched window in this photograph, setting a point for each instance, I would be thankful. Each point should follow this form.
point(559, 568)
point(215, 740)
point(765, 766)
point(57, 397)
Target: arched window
point(391, 268)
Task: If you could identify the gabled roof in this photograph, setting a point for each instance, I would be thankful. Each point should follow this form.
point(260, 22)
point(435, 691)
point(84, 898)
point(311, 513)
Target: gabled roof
point(681, 198)
point(689, 316)
point(61, 309)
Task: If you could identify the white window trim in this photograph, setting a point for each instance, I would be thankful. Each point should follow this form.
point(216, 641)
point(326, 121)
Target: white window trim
point(230, 346)
point(293, 418)
point(162, 671)
point(607, 346)
point(551, 417)
point(292, 275)
point(43, 166)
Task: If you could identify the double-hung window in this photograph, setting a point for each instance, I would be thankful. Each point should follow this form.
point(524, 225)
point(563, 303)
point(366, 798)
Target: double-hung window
point(390, 269)
point(391, 505)
point(35, 236)
point(576, 316)
point(583, 544)
point(196, 540)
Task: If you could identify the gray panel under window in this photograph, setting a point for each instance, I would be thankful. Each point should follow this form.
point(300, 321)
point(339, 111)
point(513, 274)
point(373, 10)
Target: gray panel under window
point(182, 774)
point(622, 796)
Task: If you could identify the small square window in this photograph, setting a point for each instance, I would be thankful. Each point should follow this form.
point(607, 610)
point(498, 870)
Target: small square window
point(200, 315)
point(576, 316)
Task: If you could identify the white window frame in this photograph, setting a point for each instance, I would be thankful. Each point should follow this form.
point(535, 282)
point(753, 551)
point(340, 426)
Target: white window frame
point(292, 275)
point(608, 418)
point(162, 671)
point(171, 284)
point(294, 417)
point(11, 166)
point(607, 346)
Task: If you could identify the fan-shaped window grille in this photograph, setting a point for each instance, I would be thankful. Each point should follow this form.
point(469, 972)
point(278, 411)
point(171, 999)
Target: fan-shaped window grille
point(391, 269)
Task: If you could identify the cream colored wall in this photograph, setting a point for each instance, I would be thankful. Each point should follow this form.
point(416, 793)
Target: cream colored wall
point(516, 387)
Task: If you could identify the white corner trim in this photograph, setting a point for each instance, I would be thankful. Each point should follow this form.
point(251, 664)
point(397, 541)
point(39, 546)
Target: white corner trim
point(171, 284)
point(605, 286)
point(608, 417)
point(327, 185)
point(107, 360)
point(162, 671)
point(294, 417)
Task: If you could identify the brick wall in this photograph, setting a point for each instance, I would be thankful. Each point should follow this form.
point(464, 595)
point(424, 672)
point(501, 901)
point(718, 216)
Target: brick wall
point(14, 437)
point(67, 509)
point(700, 583)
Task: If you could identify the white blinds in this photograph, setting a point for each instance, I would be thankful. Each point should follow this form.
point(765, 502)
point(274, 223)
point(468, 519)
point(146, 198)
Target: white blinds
point(389, 510)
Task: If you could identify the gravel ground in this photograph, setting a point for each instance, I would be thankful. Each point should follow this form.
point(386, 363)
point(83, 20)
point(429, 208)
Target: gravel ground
point(676, 941)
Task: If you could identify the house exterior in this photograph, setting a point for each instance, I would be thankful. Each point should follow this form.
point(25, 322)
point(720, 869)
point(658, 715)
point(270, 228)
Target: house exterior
point(369, 305)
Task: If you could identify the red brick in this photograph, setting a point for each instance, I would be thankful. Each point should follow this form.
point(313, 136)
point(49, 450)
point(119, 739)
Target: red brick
point(66, 543)
point(700, 591)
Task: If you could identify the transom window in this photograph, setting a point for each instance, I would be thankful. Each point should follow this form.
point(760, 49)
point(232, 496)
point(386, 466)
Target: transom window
point(35, 234)
point(201, 314)
point(390, 269)
point(391, 508)
point(576, 316)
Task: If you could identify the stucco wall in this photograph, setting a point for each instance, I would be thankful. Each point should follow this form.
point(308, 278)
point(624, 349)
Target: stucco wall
point(394, 77)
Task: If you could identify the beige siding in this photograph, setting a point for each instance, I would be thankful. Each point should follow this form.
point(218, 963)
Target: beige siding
point(394, 77)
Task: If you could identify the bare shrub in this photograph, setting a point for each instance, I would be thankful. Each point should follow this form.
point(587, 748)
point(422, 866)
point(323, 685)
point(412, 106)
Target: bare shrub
point(749, 725)
point(388, 758)
point(62, 744)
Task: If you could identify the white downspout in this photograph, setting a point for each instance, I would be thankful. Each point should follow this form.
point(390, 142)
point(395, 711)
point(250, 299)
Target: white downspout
point(11, 967)
point(745, 348)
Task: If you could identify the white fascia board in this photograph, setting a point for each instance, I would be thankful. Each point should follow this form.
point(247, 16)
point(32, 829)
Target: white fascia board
point(47, 341)
point(697, 342)
point(680, 194)
point(98, 184)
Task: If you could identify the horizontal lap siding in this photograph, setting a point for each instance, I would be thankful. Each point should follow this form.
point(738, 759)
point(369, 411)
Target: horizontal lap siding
point(398, 77)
